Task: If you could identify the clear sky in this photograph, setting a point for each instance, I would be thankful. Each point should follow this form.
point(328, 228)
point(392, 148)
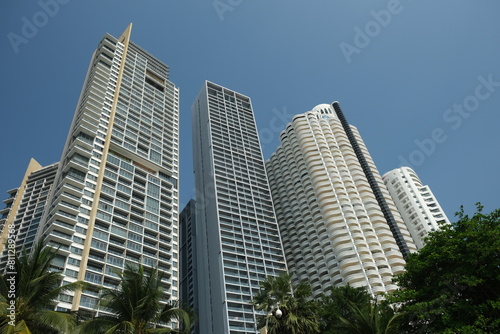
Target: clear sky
point(420, 79)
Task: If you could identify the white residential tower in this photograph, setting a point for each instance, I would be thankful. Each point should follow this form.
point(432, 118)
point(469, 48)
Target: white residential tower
point(338, 222)
point(238, 242)
point(114, 198)
point(416, 203)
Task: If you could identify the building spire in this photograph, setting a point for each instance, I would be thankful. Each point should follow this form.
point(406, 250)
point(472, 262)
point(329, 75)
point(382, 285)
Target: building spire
point(125, 36)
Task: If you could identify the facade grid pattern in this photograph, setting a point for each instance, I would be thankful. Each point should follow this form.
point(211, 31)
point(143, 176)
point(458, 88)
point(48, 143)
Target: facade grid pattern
point(234, 212)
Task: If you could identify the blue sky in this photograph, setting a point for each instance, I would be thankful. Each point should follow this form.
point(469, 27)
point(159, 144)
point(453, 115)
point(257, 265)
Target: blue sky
point(420, 79)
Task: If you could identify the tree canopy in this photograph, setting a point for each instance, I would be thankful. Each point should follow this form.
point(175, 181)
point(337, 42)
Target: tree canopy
point(452, 285)
point(32, 301)
point(298, 311)
point(348, 310)
point(136, 308)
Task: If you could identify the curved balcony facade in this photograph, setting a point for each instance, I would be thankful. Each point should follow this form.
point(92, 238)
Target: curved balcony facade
point(322, 196)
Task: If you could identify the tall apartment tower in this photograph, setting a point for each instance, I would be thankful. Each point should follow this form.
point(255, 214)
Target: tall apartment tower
point(416, 203)
point(24, 210)
point(188, 266)
point(338, 223)
point(114, 198)
point(238, 241)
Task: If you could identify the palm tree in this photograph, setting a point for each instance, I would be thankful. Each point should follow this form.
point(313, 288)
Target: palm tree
point(135, 306)
point(289, 310)
point(33, 294)
point(373, 318)
point(352, 310)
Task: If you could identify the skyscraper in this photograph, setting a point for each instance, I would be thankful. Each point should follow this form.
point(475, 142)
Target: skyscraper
point(238, 238)
point(188, 266)
point(115, 194)
point(416, 203)
point(338, 222)
point(25, 209)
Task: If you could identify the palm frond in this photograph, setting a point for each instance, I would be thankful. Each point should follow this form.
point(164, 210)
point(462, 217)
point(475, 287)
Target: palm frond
point(36, 289)
point(136, 304)
point(124, 327)
point(98, 325)
point(64, 322)
point(172, 311)
point(21, 328)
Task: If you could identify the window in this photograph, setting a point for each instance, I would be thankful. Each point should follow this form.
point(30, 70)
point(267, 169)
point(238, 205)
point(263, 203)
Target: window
point(152, 205)
point(76, 250)
point(73, 262)
point(80, 229)
point(133, 246)
point(134, 236)
point(88, 302)
point(100, 235)
point(114, 260)
point(66, 298)
point(71, 273)
point(78, 240)
point(153, 190)
point(98, 244)
point(92, 277)
point(82, 220)
point(155, 156)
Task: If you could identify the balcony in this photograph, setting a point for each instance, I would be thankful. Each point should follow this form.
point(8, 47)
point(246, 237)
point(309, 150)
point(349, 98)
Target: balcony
point(63, 227)
point(74, 181)
point(355, 278)
point(65, 217)
point(396, 262)
point(393, 254)
point(71, 199)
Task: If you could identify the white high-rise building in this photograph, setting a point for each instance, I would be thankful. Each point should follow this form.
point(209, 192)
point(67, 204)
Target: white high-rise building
point(338, 223)
point(25, 207)
point(115, 195)
point(238, 242)
point(416, 203)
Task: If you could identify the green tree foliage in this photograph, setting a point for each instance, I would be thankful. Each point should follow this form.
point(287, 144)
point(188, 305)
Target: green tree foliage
point(136, 306)
point(298, 310)
point(348, 310)
point(36, 287)
point(452, 285)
